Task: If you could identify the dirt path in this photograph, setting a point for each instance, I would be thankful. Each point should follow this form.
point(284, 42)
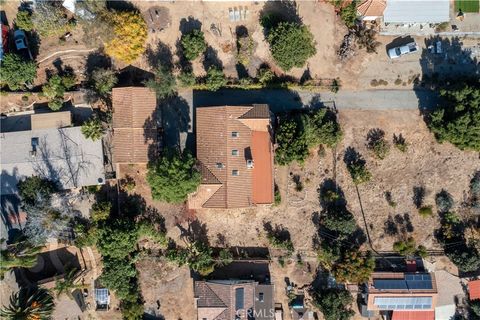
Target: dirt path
point(66, 51)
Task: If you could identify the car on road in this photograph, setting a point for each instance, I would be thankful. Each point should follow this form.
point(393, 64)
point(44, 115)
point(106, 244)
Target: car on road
point(399, 51)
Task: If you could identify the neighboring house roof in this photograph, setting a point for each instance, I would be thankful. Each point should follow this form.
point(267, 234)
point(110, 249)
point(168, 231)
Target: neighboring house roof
point(372, 8)
point(223, 300)
point(62, 155)
point(474, 289)
point(414, 11)
point(402, 291)
point(228, 136)
point(134, 124)
point(413, 315)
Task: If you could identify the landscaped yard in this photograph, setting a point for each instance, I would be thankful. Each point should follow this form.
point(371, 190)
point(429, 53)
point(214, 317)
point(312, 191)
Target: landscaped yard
point(467, 5)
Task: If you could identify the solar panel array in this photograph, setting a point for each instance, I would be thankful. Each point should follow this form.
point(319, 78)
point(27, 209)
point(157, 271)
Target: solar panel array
point(101, 296)
point(411, 282)
point(403, 303)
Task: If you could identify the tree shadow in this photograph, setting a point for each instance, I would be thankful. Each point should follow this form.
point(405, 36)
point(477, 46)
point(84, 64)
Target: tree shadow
point(374, 135)
point(278, 232)
point(34, 42)
point(274, 12)
point(195, 231)
point(404, 223)
point(176, 122)
point(160, 56)
point(444, 62)
point(390, 227)
point(211, 59)
point(353, 157)
point(189, 24)
point(62, 70)
point(419, 193)
point(97, 60)
point(121, 6)
point(242, 72)
point(133, 76)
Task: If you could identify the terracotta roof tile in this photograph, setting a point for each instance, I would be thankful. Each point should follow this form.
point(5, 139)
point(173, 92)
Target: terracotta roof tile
point(413, 315)
point(372, 8)
point(474, 289)
point(222, 153)
point(134, 124)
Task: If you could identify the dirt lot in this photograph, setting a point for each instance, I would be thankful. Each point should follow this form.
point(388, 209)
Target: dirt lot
point(426, 163)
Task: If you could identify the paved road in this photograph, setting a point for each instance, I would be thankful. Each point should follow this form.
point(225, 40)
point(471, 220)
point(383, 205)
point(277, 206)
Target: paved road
point(178, 114)
point(285, 100)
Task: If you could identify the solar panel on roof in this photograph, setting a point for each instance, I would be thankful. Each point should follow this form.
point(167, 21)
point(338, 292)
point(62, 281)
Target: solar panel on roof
point(403, 303)
point(385, 284)
point(239, 297)
point(101, 296)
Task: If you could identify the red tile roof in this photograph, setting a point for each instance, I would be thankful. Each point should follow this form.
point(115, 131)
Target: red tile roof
point(134, 124)
point(413, 315)
point(215, 152)
point(262, 179)
point(474, 289)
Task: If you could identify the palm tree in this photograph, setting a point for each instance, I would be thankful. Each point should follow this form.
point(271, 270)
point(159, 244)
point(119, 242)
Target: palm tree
point(29, 304)
point(93, 129)
point(67, 284)
point(19, 255)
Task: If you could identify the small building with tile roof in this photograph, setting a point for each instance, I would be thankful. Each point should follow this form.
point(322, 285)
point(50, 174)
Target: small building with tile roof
point(233, 299)
point(474, 289)
point(370, 10)
point(235, 155)
point(135, 127)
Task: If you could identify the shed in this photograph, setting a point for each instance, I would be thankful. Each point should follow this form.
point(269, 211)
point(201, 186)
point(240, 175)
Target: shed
point(414, 11)
point(474, 289)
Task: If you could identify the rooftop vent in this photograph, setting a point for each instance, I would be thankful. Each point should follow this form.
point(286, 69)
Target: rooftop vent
point(250, 164)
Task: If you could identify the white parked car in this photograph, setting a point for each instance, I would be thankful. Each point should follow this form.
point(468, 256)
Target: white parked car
point(397, 52)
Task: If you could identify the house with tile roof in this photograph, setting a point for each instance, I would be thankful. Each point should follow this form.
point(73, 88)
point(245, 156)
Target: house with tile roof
point(233, 299)
point(235, 155)
point(135, 125)
point(370, 10)
point(405, 295)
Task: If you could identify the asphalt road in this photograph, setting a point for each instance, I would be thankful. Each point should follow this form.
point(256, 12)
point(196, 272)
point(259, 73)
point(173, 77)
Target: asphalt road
point(285, 100)
point(178, 114)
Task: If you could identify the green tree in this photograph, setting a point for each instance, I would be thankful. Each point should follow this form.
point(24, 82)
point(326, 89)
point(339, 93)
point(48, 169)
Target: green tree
point(19, 255)
point(147, 230)
point(292, 144)
point(193, 44)
point(55, 88)
point(50, 19)
point(103, 80)
point(93, 129)
point(186, 79)
point(16, 72)
point(358, 171)
point(321, 127)
point(457, 120)
point(117, 239)
point(120, 275)
point(215, 79)
point(349, 14)
point(335, 304)
point(425, 211)
point(130, 35)
point(173, 177)
point(466, 258)
point(164, 83)
point(225, 257)
point(32, 187)
point(132, 310)
point(354, 267)
point(475, 306)
point(100, 211)
point(291, 45)
point(24, 20)
point(409, 248)
point(29, 303)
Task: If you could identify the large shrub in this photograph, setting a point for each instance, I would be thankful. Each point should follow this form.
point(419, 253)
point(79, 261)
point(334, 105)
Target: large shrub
point(215, 79)
point(457, 120)
point(103, 80)
point(193, 44)
point(164, 83)
point(291, 44)
point(31, 187)
point(50, 19)
point(335, 304)
point(292, 144)
point(24, 20)
point(321, 127)
point(173, 177)
point(130, 34)
point(93, 129)
point(16, 72)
